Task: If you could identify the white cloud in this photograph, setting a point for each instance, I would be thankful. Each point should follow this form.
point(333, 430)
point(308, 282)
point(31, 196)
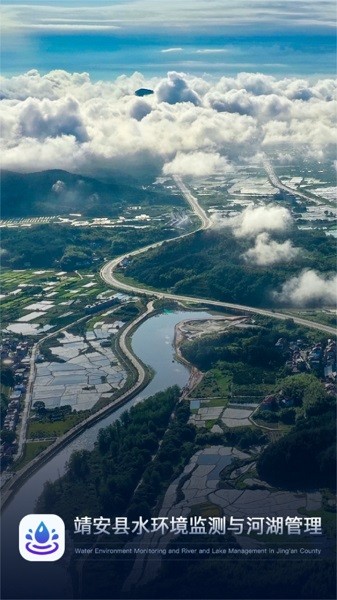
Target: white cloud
point(43, 119)
point(59, 187)
point(212, 51)
point(197, 164)
point(64, 27)
point(176, 89)
point(171, 50)
point(256, 219)
point(234, 101)
point(138, 109)
point(269, 252)
point(309, 288)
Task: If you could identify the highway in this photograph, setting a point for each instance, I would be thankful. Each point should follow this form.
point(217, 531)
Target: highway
point(194, 204)
point(276, 182)
point(108, 274)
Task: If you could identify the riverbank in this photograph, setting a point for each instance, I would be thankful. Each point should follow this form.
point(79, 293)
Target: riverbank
point(196, 376)
point(181, 336)
point(141, 375)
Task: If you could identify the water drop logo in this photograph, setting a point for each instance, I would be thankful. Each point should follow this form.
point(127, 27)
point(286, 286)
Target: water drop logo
point(40, 545)
point(41, 538)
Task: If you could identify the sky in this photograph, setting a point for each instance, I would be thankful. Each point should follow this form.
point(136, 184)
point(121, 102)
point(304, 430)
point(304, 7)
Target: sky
point(215, 37)
point(232, 80)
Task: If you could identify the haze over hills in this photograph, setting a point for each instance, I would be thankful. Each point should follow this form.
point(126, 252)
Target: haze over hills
point(58, 192)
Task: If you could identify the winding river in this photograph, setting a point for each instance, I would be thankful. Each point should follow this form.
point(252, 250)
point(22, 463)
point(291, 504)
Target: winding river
point(153, 343)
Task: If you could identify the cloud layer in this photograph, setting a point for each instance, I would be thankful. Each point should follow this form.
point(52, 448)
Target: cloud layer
point(60, 15)
point(64, 120)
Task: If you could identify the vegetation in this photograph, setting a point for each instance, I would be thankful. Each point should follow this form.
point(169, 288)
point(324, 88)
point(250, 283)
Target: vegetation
point(72, 247)
point(210, 264)
point(215, 384)
point(7, 436)
point(127, 312)
point(6, 383)
point(55, 422)
point(253, 350)
point(31, 450)
point(305, 457)
point(175, 450)
point(319, 315)
point(6, 376)
point(305, 390)
point(203, 577)
point(111, 472)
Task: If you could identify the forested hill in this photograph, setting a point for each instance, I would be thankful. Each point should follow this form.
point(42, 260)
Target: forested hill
point(58, 192)
point(211, 264)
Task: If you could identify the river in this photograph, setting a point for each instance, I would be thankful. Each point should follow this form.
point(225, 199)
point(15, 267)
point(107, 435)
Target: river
point(153, 343)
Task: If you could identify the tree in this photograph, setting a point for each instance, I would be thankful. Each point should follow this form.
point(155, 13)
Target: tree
point(75, 257)
point(303, 388)
point(39, 406)
point(288, 415)
point(78, 464)
point(7, 376)
point(7, 436)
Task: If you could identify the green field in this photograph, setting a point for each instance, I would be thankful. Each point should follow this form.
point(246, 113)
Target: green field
point(32, 449)
point(215, 385)
point(37, 430)
point(319, 315)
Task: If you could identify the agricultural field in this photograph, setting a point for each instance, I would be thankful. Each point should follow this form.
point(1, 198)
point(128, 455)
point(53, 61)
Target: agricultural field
point(34, 302)
point(226, 195)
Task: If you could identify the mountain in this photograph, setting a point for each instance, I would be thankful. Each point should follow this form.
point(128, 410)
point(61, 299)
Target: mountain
point(57, 192)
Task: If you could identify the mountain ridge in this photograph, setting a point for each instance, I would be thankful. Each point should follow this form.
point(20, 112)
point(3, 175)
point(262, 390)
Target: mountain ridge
point(59, 192)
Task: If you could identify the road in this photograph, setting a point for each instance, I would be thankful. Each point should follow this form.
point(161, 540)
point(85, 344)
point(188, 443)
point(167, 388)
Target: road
point(12, 485)
point(276, 182)
point(132, 357)
point(32, 372)
point(27, 404)
point(206, 222)
point(29, 393)
point(108, 275)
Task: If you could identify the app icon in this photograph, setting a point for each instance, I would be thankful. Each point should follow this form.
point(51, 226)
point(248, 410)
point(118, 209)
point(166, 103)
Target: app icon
point(41, 538)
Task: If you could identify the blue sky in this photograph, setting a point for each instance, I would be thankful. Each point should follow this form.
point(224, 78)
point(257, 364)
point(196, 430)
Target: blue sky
point(219, 37)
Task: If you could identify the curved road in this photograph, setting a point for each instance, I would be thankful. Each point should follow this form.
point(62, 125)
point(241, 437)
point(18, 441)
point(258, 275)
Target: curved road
point(138, 365)
point(108, 275)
